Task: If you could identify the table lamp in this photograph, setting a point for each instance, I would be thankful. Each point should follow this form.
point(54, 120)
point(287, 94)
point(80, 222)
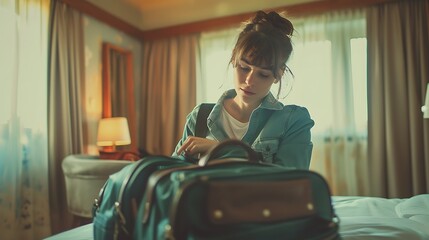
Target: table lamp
point(425, 108)
point(113, 132)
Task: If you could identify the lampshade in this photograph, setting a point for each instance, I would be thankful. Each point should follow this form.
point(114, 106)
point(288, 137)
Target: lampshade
point(113, 132)
point(425, 108)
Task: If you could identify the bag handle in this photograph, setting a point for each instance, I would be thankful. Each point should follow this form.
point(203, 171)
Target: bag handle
point(155, 177)
point(252, 156)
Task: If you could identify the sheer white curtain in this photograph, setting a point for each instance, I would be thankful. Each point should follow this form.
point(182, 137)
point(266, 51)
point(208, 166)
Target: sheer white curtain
point(24, 204)
point(329, 64)
point(214, 74)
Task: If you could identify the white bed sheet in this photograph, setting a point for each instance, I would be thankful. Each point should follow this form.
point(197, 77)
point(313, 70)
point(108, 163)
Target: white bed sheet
point(381, 218)
point(360, 218)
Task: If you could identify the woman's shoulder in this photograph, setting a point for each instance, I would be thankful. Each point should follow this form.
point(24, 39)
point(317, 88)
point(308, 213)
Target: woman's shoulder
point(295, 110)
point(293, 114)
point(201, 106)
point(194, 110)
point(205, 105)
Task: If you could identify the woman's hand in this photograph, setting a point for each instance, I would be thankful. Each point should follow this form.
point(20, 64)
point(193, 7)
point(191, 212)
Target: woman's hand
point(196, 145)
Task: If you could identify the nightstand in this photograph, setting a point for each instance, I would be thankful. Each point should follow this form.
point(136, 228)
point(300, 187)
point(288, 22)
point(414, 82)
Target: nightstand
point(84, 176)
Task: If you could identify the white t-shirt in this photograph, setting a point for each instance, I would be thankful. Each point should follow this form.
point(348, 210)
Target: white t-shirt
point(234, 128)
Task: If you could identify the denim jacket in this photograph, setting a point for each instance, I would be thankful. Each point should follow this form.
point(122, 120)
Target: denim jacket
point(285, 138)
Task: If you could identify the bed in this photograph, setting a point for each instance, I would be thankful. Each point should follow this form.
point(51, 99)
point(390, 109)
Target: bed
point(360, 218)
point(380, 218)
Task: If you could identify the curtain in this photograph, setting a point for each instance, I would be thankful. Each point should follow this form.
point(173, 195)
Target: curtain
point(398, 55)
point(168, 91)
point(332, 86)
point(65, 106)
point(24, 207)
point(215, 75)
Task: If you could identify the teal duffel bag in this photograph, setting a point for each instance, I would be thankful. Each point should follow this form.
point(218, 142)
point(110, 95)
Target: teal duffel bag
point(115, 209)
point(236, 199)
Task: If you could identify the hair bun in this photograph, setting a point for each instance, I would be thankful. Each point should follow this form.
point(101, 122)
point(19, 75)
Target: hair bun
point(266, 21)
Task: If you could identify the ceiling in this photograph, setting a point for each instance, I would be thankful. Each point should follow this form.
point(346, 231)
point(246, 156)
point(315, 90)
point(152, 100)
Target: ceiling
point(154, 14)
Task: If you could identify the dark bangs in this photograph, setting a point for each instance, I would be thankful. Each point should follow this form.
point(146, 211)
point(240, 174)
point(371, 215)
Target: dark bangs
point(259, 50)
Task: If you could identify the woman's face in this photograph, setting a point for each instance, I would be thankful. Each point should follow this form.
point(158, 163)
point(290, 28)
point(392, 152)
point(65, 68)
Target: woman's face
point(252, 83)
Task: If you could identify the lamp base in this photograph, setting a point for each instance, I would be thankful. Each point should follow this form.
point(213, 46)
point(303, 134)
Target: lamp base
point(110, 155)
point(119, 155)
point(109, 149)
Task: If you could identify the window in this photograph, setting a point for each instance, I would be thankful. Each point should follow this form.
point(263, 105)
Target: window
point(359, 75)
point(313, 86)
point(216, 74)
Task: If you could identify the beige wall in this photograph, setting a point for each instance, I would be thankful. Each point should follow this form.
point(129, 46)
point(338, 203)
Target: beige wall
point(96, 33)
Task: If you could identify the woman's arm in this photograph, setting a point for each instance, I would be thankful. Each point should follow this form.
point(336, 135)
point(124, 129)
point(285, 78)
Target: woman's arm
point(189, 146)
point(188, 130)
point(295, 146)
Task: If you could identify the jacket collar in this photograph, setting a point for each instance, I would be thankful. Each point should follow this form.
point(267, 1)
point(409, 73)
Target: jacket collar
point(269, 101)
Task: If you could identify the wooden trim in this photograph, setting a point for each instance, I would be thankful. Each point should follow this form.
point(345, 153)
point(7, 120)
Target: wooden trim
point(132, 118)
point(318, 7)
point(107, 87)
point(296, 10)
point(103, 16)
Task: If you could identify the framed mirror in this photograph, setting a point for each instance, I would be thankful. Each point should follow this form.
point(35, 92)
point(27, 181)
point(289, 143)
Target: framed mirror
point(118, 87)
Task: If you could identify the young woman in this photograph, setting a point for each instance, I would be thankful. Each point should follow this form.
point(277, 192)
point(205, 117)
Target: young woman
point(250, 112)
